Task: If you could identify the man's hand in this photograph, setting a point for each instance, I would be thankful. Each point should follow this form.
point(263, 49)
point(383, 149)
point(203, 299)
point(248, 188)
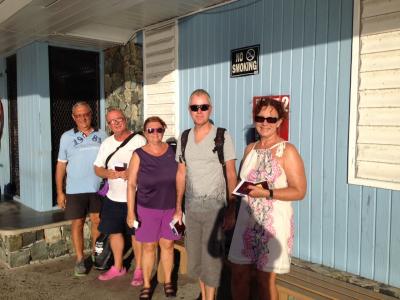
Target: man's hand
point(122, 174)
point(111, 174)
point(61, 200)
point(229, 218)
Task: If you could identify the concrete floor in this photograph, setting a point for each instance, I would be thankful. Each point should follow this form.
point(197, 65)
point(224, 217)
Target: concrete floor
point(16, 216)
point(53, 279)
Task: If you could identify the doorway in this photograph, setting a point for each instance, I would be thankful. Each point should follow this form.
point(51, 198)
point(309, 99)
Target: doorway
point(74, 76)
point(12, 188)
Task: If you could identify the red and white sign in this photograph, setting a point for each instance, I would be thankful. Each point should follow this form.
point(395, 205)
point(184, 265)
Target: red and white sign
point(285, 99)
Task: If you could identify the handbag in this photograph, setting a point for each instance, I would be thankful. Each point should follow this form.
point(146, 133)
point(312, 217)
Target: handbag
point(103, 189)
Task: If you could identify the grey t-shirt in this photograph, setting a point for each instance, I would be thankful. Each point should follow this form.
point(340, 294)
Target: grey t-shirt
point(205, 183)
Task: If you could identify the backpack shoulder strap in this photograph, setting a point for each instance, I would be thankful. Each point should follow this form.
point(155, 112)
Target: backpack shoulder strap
point(219, 144)
point(184, 140)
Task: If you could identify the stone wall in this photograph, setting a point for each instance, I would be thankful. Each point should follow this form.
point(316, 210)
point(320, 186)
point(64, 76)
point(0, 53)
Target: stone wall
point(22, 248)
point(123, 81)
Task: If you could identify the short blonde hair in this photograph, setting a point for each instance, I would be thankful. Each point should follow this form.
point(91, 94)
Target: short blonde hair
point(200, 92)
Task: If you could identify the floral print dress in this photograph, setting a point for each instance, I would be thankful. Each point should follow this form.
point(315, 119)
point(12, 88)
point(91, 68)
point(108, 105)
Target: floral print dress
point(264, 228)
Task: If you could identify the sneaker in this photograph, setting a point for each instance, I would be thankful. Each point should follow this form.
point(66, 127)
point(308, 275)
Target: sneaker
point(80, 268)
point(112, 273)
point(137, 277)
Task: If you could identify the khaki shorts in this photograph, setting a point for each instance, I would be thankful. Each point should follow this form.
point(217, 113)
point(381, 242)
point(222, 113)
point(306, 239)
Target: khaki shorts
point(204, 242)
point(79, 205)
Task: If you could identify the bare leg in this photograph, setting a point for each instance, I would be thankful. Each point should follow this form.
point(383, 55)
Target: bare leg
point(77, 237)
point(148, 258)
point(117, 247)
point(207, 292)
point(202, 290)
point(167, 257)
point(137, 251)
point(240, 282)
point(267, 289)
point(95, 220)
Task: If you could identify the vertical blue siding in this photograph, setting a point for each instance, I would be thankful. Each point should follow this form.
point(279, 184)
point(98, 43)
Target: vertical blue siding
point(34, 126)
point(306, 53)
point(4, 146)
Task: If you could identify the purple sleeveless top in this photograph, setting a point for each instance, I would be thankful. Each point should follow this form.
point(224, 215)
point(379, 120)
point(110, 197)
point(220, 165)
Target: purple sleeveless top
point(156, 181)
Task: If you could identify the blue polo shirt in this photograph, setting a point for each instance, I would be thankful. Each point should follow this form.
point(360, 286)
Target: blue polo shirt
point(79, 152)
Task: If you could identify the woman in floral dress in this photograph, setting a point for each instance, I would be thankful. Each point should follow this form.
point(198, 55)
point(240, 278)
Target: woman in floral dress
point(264, 231)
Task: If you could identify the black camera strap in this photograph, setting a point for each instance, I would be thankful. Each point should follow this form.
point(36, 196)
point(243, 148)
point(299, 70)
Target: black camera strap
point(119, 147)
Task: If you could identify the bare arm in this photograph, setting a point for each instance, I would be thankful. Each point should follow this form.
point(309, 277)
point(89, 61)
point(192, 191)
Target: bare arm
point(60, 174)
point(296, 178)
point(229, 220)
point(180, 190)
point(131, 191)
point(107, 173)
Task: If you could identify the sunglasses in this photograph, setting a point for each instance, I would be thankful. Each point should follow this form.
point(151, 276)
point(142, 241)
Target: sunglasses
point(116, 121)
point(202, 107)
point(271, 120)
point(158, 130)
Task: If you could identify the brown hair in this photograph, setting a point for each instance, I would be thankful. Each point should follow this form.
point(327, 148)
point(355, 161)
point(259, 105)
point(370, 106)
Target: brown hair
point(154, 119)
point(265, 102)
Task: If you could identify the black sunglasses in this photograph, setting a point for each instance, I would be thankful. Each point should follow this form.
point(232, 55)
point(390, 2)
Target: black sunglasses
point(158, 130)
point(203, 107)
point(271, 120)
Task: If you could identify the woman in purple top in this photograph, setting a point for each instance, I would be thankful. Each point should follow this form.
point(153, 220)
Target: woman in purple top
point(152, 188)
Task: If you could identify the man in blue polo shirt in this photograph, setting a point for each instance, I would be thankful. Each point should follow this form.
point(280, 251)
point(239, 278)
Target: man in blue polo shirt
point(78, 150)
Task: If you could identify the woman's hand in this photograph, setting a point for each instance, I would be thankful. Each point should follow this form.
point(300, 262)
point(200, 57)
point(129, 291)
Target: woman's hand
point(258, 191)
point(178, 215)
point(130, 219)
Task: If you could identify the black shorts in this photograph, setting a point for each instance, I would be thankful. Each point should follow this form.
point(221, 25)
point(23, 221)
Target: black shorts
point(79, 205)
point(113, 218)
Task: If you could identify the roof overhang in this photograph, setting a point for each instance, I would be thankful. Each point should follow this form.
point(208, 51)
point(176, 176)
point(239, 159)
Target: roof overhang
point(96, 24)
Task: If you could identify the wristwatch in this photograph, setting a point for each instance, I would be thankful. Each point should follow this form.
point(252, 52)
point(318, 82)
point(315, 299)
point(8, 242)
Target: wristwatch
point(271, 195)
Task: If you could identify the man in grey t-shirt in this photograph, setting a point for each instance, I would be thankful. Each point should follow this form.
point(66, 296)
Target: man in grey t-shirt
point(202, 180)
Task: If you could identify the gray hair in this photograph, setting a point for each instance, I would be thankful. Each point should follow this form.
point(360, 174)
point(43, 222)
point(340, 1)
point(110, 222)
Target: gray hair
point(200, 92)
point(81, 103)
point(110, 109)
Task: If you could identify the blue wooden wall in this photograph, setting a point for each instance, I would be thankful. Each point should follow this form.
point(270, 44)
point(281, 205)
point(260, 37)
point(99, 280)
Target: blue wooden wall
point(306, 53)
point(34, 134)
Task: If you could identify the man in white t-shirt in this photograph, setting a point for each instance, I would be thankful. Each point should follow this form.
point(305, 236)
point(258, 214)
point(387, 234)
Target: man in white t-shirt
point(114, 211)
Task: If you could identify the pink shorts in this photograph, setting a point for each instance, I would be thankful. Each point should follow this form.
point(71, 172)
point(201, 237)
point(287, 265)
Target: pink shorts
point(154, 224)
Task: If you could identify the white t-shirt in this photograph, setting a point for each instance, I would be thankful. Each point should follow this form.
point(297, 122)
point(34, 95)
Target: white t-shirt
point(118, 187)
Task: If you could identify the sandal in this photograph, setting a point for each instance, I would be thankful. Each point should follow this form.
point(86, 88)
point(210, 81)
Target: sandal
point(169, 290)
point(145, 294)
